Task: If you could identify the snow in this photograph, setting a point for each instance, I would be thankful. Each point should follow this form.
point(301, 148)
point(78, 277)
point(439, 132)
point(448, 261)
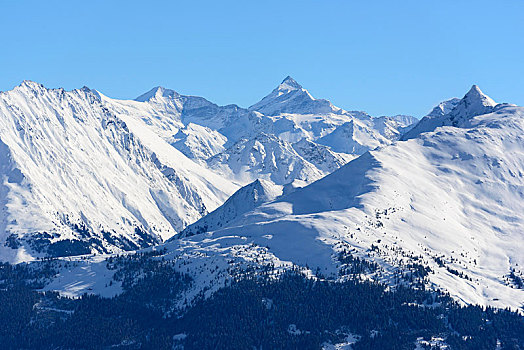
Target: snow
point(268, 157)
point(179, 337)
point(454, 112)
point(456, 193)
point(68, 160)
point(297, 115)
point(291, 97)
point(198, 142)
point(353, 138)
point(449, 196)
point(444, 107)
point(245, 199)
point(346, 345)
point(453, 195)
point(293, 330)
point(245, 145)
point(212, 135)
point(215, 189)
point(321, 156)
point(131, 173)
point(85, 276)
point(433, 343)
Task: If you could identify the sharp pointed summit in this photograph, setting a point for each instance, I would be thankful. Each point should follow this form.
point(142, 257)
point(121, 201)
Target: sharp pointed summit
point(290, 97)
point(289, 84)
point(30, 83)
point(474, 103)
point(454, 112)
point(476, 98)
point(475, 91)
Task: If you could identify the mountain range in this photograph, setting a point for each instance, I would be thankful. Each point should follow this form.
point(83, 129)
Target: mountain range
point(449, 198)
point(85, 173)
point(290, 182)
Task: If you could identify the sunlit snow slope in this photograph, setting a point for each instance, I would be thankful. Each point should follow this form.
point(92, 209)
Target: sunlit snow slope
point(77, 178)
point(450, 199)
point(281, 138)
point(87, 173)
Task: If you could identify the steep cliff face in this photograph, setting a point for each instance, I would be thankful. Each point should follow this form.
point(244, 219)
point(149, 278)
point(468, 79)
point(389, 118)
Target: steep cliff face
point(76, 179)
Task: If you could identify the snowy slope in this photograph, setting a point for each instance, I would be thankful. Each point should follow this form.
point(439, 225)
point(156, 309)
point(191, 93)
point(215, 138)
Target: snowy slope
point(321, 156)
point(245, 199)
point(195, 126)
point(298, 115)
point(199, 142)
point(353, 137)
point(163, 108)
point(76, 178)
point(265, 156)
point(291, 101)
point(392, 128)
point(450, 200)
point(85, 172)
point(215, 136)
point(212, 134)
point(444, 107)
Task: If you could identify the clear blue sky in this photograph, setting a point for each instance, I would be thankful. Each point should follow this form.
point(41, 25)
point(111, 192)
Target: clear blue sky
point(384, 57)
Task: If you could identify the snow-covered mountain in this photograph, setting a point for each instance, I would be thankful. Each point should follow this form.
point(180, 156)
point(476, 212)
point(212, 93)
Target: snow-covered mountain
point(447, 202)
point(392, 128)
point(194, 125)
point(454, 112)
point(77, 178)
point(321, 156)
point(212, 134)
point(444, 107)
point(451, 200)
point(268, 157)
point(290, 97)
point(353, 137)
point(88, 173)
point(298, 115)
point(245, 199)
point(198, 142)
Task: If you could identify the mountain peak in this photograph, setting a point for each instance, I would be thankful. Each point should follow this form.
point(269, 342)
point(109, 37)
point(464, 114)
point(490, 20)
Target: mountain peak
point(475, 95)
point(474, 103)
point(156, 92)
point(289, 84)
point(455, 112)
point(31, 85)
point(291, 97)
point(475, 88)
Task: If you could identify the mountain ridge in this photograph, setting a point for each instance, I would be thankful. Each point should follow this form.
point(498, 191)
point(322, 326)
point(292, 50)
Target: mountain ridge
point(454, 112)
point(448, 200)
point(162, 140)
point(74, 158)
